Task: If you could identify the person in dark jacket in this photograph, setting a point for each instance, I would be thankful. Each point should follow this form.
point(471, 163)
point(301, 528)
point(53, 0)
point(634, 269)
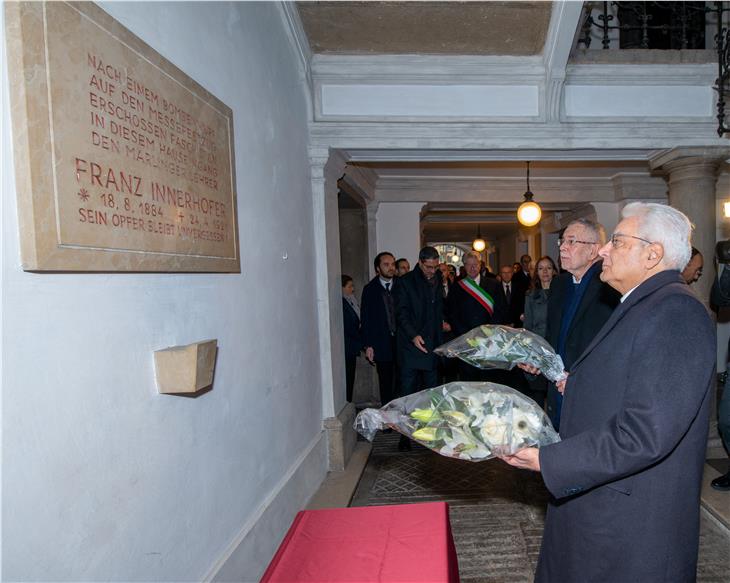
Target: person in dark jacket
point(536, 308)
point(513, 294)
point(353, 338)
point(420, 322)
point(579, 303)
point(720, 298)
point(378, 323)
point(473, 301)
point(419, 317)
point(536, 300)
point(627, 473)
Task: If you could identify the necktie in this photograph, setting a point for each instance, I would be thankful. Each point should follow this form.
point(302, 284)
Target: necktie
point(507, 292)
point(389, 309)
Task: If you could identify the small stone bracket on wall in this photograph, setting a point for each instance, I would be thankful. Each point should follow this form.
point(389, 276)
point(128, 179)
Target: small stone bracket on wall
point(186, 370)
point(341, 438)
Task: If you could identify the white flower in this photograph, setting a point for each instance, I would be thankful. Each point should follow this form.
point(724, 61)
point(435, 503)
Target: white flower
point(525, 425)
point(494, 430)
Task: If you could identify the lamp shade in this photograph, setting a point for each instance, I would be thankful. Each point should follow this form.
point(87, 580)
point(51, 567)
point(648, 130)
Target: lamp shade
point(529, 213)
point(479, 245)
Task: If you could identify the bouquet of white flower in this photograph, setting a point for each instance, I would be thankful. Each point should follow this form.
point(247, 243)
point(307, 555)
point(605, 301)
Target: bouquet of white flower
point(492, 346)
point(469, 421)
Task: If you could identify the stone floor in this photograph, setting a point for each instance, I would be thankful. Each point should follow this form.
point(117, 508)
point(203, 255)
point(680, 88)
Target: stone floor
point(497, 512)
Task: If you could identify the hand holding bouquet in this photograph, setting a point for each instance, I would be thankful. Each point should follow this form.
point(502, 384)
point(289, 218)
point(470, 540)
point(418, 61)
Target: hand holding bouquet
point(492, 346)
point(469, 421)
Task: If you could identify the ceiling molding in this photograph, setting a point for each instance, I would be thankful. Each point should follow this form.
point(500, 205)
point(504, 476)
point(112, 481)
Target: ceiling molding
point(593, 135)
point(297, 36)
point(642, 75)
point(564, 24)
point(501, 155)
point(405, 69)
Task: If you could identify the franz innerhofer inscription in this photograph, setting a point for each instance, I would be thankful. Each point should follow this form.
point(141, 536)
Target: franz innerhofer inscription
point(131, 161)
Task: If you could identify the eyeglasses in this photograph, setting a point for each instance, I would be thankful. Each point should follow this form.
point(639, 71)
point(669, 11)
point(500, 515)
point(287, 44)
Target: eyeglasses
point(616, 242)
point(573, 242)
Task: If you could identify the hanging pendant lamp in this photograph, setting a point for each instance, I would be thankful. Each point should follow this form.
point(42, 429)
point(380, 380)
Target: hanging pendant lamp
point(529, 213)
point(479, 244)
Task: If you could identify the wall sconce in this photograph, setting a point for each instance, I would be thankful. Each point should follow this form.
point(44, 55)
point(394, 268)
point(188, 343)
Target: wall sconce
point(479, 244)
point(726, 210)
point(529, 213)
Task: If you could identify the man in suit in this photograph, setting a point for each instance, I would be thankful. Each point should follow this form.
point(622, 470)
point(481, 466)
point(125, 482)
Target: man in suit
point(627, 474)
point(473, 301)
point(522, 276)
point(514, 296)
point(579, 303)
point(377, 312)
point(420, 322)
point(693, 271)
point(445, 281)
point(447, 366)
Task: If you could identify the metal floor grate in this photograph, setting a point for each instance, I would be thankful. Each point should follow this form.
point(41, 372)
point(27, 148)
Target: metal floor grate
point(497, 512)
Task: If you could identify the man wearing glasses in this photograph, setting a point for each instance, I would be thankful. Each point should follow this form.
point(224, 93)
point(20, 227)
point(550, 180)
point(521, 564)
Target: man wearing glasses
point(627, 475)
point(420, 325)
point(579, 303)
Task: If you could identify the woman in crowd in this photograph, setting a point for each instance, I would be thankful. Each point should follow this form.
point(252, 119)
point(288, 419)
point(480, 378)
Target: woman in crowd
point(537, 296)
point(353, 339)
point(536, 302)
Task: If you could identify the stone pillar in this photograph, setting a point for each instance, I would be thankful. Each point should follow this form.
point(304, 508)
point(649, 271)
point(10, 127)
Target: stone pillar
point(327, 167)
point(692, 177)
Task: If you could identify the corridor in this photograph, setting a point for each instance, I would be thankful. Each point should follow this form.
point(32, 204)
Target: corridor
point(496, 511)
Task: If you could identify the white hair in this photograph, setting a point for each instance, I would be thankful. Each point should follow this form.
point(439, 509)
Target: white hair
point(594, 227)
point(472, 254)
point(660, 223)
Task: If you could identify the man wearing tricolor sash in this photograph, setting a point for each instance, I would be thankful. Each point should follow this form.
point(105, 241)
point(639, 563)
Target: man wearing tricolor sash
point(473, 301)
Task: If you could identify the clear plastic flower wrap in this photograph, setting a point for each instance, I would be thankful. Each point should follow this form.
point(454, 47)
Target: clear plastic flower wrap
point(493, 346)
point(463, 420)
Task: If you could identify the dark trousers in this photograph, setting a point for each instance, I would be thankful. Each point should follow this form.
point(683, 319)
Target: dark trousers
point(413, 380)
point(386, 381)
point(350, 364)
point(554, 405)
point(471, 373)
point(723, 415)
point(448, 369)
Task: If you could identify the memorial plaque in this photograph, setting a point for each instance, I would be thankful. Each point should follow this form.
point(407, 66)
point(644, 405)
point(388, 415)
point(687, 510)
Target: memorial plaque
point(123, 162)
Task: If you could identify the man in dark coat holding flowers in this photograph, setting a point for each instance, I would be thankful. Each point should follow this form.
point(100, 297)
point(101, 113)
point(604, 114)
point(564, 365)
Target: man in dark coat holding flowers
point(626, 476)
point(419, 315)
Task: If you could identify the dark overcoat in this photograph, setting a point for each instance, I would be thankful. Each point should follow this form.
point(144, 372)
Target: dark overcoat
point(516, 304)
point(463, 312)
point(351, 322)
point(418, 311)
point(374, 317)
point(536, 309)
point(626, 476)
point(596, 306)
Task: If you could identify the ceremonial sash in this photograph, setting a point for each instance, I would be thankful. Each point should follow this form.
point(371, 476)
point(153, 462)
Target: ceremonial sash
point(472, 288)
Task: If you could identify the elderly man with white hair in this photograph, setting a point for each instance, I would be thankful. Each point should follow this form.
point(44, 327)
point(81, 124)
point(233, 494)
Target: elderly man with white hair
point(626, 476)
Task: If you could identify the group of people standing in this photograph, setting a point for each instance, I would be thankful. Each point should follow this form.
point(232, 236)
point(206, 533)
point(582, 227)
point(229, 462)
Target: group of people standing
point(405, 314)
point(625, 478)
